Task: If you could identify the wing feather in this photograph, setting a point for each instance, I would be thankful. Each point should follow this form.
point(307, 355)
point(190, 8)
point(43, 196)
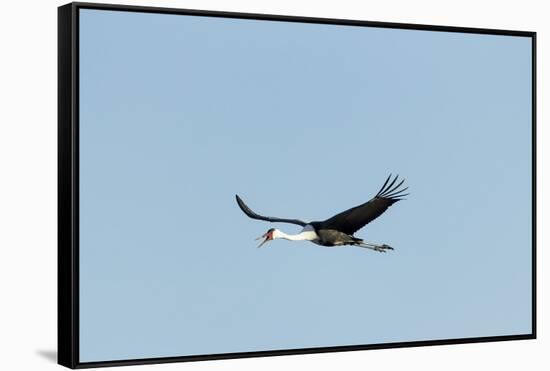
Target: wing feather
point(253, 215)
point(350, 221)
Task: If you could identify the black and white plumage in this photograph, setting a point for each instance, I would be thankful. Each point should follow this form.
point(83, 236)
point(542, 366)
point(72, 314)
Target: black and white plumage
point(339, 229)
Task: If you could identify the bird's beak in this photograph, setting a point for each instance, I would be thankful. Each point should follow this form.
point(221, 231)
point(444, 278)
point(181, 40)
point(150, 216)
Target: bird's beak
point(264, 241)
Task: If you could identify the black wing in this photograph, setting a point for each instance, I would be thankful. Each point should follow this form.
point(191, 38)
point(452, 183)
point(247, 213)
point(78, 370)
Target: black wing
point(253, 215)
point(350, 221)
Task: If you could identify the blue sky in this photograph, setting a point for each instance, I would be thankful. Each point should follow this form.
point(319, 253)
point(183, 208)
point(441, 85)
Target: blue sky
point(180, 113)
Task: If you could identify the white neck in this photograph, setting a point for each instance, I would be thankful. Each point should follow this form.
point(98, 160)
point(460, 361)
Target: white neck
point(305, 235)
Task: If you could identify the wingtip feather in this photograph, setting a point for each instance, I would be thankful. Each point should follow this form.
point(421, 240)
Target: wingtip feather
point(392, 191)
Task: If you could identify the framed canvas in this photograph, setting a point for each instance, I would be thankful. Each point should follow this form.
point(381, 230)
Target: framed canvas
point(389, 170)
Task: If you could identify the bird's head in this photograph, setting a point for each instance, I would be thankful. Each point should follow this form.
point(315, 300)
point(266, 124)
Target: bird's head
point(267, 236)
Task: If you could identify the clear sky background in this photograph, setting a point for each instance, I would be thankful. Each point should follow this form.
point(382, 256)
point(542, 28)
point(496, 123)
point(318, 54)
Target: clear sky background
point(180, 113)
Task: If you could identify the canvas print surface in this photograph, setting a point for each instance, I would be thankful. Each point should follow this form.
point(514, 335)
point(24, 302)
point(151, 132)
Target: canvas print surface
point(178, 114)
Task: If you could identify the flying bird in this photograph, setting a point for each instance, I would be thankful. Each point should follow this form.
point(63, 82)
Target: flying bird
point(339, 229)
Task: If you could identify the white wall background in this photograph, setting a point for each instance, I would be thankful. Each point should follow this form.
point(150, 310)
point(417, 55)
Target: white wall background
point(28, 181)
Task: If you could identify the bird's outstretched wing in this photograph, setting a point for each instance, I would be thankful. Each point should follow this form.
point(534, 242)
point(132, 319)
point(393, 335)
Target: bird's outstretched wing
point(253, 215)
point(350, 221)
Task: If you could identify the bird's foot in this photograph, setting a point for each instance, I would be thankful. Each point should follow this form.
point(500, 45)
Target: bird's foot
point(382, 248)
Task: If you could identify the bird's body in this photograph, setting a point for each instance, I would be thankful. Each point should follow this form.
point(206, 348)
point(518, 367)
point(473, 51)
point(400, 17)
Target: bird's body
point(339, 229)
point(332, 237)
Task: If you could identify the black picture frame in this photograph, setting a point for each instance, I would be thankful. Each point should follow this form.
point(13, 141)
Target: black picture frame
point(68, 183)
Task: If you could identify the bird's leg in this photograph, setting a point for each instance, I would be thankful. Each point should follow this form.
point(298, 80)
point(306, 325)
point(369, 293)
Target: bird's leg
point(370, 247)
point(375, 247)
